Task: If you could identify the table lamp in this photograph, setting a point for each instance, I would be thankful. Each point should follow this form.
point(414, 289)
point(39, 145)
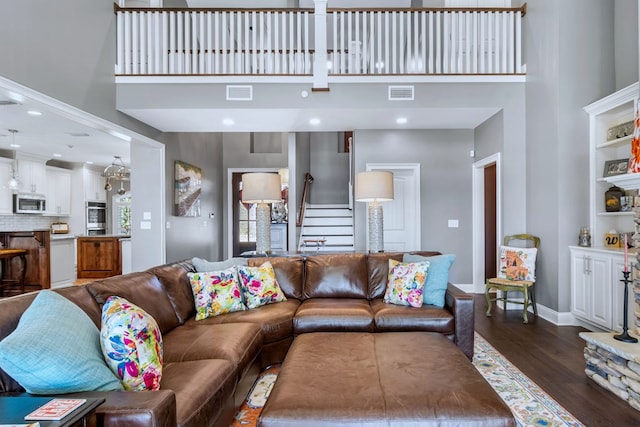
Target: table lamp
point(261, 188)
point(375, 187)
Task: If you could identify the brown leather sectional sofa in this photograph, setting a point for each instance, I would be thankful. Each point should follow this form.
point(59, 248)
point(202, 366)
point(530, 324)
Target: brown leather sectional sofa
point(209, 365)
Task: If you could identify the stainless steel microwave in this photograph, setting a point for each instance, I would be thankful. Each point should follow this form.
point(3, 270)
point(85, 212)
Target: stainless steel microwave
point(29, 203)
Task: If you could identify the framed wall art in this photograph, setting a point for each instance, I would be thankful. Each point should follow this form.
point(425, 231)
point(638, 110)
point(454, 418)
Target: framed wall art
point(188, 186)
point(615, 167)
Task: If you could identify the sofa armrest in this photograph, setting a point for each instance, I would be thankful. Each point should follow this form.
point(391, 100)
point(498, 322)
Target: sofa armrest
point(460, 304)
point(135, 408)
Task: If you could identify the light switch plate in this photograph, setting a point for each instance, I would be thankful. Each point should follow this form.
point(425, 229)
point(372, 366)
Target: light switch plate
point(453, 223)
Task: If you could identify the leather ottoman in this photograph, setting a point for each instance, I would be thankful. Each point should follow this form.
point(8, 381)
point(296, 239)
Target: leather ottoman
point(380, 379)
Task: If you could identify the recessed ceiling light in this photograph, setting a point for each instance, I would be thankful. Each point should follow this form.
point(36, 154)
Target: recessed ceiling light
point(34, 113)
point(314, 122)
point(57, 155)
point(89, 162)
point(228, 122)
point(401, 120)
point(14, 145)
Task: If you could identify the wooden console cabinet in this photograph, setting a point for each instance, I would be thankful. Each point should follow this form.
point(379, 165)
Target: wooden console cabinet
point(36, 243)
point(98, 257)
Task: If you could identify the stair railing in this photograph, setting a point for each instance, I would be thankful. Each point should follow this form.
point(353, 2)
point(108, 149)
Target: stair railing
point(308, 179)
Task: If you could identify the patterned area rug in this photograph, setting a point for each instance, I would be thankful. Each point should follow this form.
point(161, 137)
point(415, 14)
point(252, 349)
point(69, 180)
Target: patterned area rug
point(531, 406)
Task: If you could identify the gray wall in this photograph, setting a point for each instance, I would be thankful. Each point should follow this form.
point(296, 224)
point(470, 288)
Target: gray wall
point(329, 168)
point(204, 240)
point(445, 186)
point(625, 42)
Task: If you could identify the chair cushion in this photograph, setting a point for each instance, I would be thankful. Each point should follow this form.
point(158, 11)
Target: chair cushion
point(216, 292)
point(131, 344)
point(333, 315)
point(55, 349)
point(435, 287)
point(517, 263)
point(406, 282)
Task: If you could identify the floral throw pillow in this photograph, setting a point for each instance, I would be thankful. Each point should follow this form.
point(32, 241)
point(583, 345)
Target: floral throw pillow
point(131, 344)
point(405, 283)
point(216, 292)
point(517, 263)
point(259, 285)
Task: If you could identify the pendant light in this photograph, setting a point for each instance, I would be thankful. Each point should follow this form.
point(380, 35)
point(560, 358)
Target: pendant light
point(14, 182)
point(116, 171)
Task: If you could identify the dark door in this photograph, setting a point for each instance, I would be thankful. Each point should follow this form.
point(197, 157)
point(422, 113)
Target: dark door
point(244, 219)
point(490, 244)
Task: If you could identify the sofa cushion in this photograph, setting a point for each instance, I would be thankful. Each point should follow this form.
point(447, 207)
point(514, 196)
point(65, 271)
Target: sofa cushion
point(435, 287)
point(142, 289)
point(203, 389)
point(333, 315)
point(131, 344)
point(275, 320)
point(336, 276)
point(397, 318)
point(406, 283)
point(259, 285)
point(238, 343)
point(80, 296)
point(289, 273)
point(55, 349)
point(216, 292)
point(378, 271)
point(174, 279)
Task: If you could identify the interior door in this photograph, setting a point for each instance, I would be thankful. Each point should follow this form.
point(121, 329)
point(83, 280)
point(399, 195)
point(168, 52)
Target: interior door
point(490, 243)
point(401, 216)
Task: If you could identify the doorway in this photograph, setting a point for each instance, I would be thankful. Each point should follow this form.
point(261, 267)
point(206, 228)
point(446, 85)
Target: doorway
point(402, 231)
point(487, 221)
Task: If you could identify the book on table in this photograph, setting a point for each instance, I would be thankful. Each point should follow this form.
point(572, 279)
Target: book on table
point(55, 409)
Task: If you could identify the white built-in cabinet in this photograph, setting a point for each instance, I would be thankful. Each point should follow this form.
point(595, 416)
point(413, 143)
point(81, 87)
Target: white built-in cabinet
point(94, 186)
point(58, 191)
point(32, 175)
point(596, 290)
point(6, 194)
point(597, 293)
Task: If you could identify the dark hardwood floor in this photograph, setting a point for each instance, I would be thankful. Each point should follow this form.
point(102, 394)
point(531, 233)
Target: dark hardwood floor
point(552, 356)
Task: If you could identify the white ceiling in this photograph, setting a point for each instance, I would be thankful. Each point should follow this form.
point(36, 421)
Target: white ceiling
point(54, 132)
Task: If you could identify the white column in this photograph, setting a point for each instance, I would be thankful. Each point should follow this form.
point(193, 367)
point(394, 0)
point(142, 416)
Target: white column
point(320, 70)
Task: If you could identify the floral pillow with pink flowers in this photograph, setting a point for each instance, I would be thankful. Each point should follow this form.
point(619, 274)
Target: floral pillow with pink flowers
point(131, 344)
point(216, 292)
point(405, 282)
point(259, 285)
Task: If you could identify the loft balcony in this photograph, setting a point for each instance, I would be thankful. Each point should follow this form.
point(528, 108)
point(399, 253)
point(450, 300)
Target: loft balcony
point(319, 45)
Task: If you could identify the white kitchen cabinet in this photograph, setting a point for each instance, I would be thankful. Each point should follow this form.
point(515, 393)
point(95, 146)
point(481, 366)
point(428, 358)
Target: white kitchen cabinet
point(63, 262)
point(6, 194)
point(58, 191)
point(94, 184)
point(596, 290)
point(33, 176)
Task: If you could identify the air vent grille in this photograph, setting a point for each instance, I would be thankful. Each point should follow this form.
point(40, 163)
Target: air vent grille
point(239, 93)
point(7, 102)
point(401, 93)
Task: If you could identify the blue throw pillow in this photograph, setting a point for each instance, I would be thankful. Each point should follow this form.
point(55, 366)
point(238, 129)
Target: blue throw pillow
point(435, 287)
point(55, 349)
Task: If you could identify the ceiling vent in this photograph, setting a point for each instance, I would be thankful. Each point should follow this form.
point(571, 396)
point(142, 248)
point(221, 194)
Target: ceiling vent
point(7, 102)
point(401, 93)
point(239, 93)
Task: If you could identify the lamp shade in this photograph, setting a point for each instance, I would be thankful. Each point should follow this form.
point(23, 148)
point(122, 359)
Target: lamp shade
point(374, 186)
point(258, 187)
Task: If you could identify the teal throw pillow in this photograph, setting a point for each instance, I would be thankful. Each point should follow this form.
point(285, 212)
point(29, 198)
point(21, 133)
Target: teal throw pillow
point(435, 286)
point(202, 265)
point(55, 349)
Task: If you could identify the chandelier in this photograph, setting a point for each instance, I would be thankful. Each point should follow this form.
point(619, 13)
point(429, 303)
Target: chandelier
point(116, 171)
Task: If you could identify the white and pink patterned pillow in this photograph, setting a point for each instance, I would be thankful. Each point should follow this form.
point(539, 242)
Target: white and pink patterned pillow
point(517, 263)
point(405, 282)
point(259, 285)
point(131, 344)
point(216, 292)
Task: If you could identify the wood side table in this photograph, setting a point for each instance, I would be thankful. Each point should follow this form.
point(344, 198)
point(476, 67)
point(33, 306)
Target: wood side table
point(14, 408)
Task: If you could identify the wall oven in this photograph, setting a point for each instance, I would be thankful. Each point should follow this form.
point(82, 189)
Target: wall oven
point(96, 219)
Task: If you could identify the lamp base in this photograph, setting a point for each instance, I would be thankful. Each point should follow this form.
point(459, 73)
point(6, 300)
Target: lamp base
point(376, 233)
point(263, 228)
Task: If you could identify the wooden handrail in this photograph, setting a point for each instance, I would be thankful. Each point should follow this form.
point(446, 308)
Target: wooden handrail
point(308, 179)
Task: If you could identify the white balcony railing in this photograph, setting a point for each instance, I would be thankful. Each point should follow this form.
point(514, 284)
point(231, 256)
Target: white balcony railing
point(282, 42)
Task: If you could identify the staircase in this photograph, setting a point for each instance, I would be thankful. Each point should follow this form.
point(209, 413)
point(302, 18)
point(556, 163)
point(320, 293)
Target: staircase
point(326, 228)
